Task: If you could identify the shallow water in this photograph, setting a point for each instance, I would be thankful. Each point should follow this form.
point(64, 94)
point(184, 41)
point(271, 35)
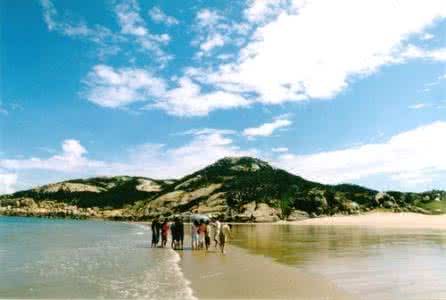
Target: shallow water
point(372, 264)
point(42, 258)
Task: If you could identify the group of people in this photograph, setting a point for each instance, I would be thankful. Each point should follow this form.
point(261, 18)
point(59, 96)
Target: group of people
point(161, 229)
point(203, 233)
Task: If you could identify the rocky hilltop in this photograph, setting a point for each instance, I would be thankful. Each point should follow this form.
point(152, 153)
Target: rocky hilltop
point(236, 188)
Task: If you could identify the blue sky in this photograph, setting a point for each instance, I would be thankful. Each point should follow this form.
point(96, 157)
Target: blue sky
point(338, 91)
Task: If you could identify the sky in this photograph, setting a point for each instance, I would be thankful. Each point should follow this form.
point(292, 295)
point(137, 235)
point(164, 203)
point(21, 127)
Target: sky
point(334, 91)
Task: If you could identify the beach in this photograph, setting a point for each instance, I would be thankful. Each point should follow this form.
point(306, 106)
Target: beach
point(380, 220)
point(241, 275)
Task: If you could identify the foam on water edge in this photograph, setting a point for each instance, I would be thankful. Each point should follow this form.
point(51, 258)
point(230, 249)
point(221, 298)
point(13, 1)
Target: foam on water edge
point(173, 263)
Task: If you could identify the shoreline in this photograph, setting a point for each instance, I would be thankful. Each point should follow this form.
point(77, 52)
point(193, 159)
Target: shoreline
point(378, 220)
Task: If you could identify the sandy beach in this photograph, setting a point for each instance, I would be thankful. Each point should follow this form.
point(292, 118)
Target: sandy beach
point(381, 220)
point(250, 274)
point(239, 274)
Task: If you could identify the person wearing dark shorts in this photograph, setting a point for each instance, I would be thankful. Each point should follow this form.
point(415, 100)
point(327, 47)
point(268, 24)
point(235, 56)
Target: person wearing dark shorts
point(180, 233)
point(173, 232)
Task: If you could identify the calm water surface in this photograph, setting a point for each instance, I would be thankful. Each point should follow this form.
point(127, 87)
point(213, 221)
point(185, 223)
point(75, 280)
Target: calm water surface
point(376, 264)
point(41, 258)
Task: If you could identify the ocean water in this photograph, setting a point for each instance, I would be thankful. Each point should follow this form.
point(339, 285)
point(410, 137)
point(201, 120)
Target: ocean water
point(49, 258)
point(370, 264)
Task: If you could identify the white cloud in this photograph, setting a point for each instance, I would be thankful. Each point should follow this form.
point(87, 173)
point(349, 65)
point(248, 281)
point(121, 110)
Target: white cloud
point(188, 100)
point(72, 158)
point(112, 88)
point(418, 106)
point(267, 129)
point(7, 183)
point(214, 31)
point(315, 51)
point(213, 41)
point(131, 22)
point(412, 52)
point(262, 10)
point(409, 157)
point(280, 149)
point(130, 19)
point(158, 16)
point(99, 35)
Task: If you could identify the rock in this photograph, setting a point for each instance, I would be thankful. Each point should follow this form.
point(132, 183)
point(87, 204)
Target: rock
point(389, 204)
point(147, 185)
point(265, 213)
point(381, 197)
point(298, 215)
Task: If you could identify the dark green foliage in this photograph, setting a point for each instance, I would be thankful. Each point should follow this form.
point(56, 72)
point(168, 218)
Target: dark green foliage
point(123, 192)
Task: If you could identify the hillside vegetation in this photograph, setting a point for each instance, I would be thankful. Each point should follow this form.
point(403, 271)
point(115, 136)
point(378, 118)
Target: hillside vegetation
point(238, 189)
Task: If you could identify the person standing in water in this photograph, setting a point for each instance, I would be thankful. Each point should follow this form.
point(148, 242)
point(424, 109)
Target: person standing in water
point(180, 232)
point(224, 233)
point(164, 232)
point(201, 234)
point(194, 234)
point(174, 234)
point(207, 238)
point(215, 226)
point(155, 232)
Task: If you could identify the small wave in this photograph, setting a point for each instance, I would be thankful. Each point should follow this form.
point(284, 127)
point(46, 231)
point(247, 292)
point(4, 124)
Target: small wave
point(176, 263)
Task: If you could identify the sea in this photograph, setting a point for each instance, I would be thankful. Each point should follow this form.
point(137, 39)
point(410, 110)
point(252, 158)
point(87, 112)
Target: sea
point(54, 258)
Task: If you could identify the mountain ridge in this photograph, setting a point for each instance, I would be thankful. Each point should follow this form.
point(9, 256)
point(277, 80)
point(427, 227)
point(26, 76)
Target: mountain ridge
point(234, 188)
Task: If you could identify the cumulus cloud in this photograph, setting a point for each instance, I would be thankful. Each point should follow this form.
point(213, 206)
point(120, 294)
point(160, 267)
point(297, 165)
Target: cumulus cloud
point(267, 129)
point(189, 100)
point(70, 159)
point(314, 51)
point(409, 157)
point(109, 87)
point(158, 16)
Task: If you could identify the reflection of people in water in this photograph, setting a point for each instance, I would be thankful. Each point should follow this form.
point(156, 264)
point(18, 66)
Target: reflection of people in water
point(155, 232)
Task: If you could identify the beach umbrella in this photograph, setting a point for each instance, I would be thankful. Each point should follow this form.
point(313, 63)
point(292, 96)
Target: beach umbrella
point(199, 217)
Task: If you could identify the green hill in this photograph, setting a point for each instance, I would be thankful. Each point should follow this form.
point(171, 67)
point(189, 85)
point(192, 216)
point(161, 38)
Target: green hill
point(239, 189)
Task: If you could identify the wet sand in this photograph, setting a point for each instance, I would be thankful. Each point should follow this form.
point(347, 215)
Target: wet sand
point(239, 274)
point(381, 220)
